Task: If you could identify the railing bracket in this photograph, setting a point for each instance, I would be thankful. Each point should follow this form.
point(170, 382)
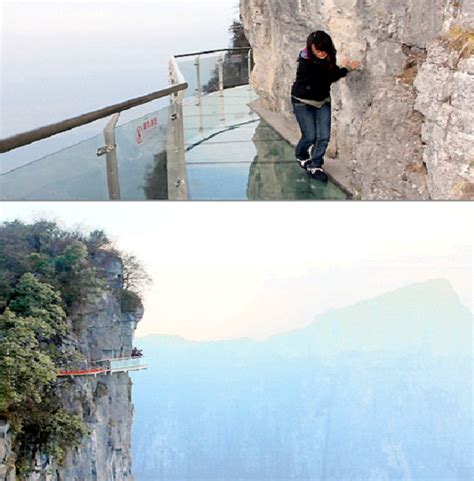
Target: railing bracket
point(105, 149)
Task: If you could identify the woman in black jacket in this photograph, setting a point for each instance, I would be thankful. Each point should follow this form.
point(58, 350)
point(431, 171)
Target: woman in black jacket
point(311, 100)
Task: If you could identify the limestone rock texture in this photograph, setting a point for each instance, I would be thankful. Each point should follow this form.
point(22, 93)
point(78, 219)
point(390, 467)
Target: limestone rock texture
point(7, 472)
point(403, 122)
point(99, 329)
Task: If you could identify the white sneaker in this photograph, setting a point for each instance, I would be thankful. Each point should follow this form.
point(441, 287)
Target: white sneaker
point(303, 163)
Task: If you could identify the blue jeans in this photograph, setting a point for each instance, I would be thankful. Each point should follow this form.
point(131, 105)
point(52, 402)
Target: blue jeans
point(315, 126)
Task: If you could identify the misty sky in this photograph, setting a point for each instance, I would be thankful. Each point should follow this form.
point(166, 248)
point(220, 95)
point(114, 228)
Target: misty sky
point(63, 58)
point(230, 270)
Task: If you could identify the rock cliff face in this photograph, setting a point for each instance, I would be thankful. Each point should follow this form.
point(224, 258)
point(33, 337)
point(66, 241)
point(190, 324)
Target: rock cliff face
point(99, 329)
point(7, 472)
point(404, 121)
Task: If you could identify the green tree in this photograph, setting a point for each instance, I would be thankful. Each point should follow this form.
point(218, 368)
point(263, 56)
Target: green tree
point(134, 280)
point(41, 302)
point(97, 241)
point(75, 274)
point(25, 368)
point(238, 34)
point(135, 277)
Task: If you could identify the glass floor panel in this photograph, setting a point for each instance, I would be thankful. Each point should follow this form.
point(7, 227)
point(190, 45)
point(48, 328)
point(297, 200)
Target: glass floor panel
point(250, 162)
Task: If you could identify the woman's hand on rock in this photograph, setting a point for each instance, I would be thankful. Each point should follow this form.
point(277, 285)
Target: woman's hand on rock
point(354, 65)
point(350, 64)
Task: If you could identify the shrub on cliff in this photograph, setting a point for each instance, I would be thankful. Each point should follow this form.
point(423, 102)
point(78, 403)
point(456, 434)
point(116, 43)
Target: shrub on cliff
point(30, 331)
point(58, 257)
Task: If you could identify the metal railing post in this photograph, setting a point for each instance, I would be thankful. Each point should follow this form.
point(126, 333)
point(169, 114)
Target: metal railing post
point(174, 119)
point(249, 65)
point(221, 88)
point(197, 64)
point(177, 181)
point(220, 63)
point(180, 128)
point(113, 182)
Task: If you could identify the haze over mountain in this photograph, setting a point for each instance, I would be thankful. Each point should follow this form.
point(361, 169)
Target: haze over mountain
point(381, 390)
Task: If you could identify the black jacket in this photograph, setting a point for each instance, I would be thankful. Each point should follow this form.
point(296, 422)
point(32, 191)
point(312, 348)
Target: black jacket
point(314, 78)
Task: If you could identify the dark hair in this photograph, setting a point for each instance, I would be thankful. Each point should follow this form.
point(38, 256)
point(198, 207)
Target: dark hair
point(322, 41)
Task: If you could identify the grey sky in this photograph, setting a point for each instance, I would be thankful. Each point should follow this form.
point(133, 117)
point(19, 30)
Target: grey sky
point(63, 58)
point(227, 270)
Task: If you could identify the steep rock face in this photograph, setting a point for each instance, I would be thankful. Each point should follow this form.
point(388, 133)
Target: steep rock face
point(6, 457)
point(103, 331)
point(99, 329)
point(445, 87)
point(379, 128)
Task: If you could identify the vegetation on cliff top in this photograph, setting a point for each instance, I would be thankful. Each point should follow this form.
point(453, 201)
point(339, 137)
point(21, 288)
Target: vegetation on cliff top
point(45, 272)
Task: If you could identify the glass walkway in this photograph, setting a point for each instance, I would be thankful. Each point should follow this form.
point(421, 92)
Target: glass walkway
point(106, 366)
point(206, 145)
point(243, 157)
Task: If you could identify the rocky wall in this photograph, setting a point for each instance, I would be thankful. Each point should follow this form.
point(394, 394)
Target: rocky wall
point(381, 125)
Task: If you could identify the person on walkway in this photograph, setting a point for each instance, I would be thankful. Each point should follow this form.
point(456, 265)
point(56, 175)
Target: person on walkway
point(311, 100)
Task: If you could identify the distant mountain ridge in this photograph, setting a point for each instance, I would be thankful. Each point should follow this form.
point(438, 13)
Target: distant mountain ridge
point(399, 319)
point(379, 390)
point(433, 295)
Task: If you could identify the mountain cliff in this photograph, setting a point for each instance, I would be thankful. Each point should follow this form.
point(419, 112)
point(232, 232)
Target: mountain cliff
point(403, 122)
point(100, 322)
point(376, 391)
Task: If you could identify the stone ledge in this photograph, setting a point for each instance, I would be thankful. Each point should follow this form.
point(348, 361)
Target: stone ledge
point(339, 173)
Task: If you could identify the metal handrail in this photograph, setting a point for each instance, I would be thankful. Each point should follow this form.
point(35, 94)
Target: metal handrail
point(205, 52)
point(107, 359)
point(25, 138)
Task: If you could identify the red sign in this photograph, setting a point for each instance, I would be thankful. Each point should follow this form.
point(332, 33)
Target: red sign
point(139, 135)
point(144, 128)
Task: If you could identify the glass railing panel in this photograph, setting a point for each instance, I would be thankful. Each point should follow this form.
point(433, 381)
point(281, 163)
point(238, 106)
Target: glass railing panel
point(74, 173)
point(208, 73)
point(142, 156)
point(187, 68)
point(217, 112)
point(236, 69)
point(209, 70)
point(77, 173)
point(124, 364)
point(205, 70)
